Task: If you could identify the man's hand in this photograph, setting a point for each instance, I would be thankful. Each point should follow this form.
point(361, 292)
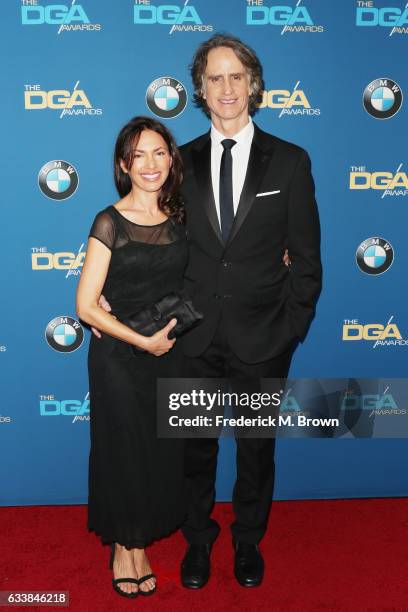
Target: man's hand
point(103, 303)
point(159, 343)
point(286, 258)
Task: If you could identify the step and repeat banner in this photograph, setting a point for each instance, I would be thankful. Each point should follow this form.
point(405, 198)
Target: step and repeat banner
point(74, 72)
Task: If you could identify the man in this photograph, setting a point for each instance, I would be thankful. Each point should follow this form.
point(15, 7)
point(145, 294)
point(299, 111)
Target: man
point(248, 195)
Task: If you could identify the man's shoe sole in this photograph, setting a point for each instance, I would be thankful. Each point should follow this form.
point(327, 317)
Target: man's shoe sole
point(250, 585)
point(194, 586)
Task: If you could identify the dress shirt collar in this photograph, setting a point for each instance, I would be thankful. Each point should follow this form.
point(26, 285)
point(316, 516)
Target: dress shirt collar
point(244, 136)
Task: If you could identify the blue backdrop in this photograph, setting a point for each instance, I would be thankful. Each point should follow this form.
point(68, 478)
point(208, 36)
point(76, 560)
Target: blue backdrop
point(100, 58)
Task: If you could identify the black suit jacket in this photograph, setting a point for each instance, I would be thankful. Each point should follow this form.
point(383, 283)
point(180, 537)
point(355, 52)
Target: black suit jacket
point(265, 305)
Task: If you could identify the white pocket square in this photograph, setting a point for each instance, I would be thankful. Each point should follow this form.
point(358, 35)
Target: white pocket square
point(265, 193)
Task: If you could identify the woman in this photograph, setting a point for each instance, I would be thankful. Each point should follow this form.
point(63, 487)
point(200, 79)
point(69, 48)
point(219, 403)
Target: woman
point(136, 254)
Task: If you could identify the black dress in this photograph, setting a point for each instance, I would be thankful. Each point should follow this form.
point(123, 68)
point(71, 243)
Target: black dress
point(136, 490)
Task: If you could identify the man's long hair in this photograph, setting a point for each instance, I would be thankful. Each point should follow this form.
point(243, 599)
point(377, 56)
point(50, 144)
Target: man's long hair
point(247, 57)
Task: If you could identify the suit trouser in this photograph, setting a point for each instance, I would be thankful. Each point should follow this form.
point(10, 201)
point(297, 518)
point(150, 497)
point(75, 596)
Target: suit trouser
point(252, 495)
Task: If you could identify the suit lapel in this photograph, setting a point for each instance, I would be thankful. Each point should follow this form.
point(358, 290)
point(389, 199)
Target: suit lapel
point(202, 171)
point(259, 158)
point(262, 149)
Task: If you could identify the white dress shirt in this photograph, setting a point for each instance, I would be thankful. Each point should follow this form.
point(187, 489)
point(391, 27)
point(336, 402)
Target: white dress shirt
point(240, 157)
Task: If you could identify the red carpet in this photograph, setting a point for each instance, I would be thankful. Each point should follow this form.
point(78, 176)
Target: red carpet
point(320, 556)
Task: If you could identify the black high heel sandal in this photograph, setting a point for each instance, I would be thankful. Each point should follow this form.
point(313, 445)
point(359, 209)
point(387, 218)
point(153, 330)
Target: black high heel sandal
point(117, 581)
point(143, 579)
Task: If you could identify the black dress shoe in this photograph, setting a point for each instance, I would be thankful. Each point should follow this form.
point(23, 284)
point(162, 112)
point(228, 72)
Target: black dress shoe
point(195, 567)
point(249, 564)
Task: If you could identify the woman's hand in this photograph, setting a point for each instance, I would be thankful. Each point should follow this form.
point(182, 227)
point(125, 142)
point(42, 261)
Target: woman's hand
point(286, 258)
point(159, 343)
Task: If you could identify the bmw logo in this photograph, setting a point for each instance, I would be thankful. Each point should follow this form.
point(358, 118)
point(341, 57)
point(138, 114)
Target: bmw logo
point(166, 97)
point(58, 179)
point(374, 255)
point(382, 98)
point(64, 334)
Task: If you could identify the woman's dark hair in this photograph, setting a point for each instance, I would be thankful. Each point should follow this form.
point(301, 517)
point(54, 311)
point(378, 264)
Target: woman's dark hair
point(170, 201)
point(245, 54)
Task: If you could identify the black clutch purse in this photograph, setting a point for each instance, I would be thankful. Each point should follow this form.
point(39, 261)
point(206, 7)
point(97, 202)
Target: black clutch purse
point(154, 317)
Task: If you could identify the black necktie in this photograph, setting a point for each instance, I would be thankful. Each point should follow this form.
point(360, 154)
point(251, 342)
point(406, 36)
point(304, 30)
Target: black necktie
point(226, 200)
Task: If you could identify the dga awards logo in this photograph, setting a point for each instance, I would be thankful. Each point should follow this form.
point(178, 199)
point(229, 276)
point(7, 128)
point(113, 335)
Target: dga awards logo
point(288, 102)
point(182, 17)
point(73, 103)
point(295, 17)
point(166, 97)
point(374, 256)
point(58, 179)
point(382, 98)
point(392, 17)
point(67, 261)
point(69, 17)
point(381, 335)
point(64, 334)
point(388, 184)
point(77, 409)
point(377, 404)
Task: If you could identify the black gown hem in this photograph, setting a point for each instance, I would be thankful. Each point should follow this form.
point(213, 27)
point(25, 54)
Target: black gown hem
point(110, 539)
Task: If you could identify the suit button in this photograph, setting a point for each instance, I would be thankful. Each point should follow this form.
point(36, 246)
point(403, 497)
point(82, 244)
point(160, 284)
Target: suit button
point(217, 296)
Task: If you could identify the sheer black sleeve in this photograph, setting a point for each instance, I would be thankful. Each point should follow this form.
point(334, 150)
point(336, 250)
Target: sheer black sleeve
point(103, 229)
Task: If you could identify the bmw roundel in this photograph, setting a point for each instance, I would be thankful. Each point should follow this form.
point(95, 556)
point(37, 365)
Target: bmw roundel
point(374, 255)
point(166, 97)
point(64, 334)
point(382, 98)
point(58, 179)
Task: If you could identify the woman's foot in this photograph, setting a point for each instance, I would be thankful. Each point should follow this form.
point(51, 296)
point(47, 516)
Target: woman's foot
point(143, 568)
point(124, 567)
